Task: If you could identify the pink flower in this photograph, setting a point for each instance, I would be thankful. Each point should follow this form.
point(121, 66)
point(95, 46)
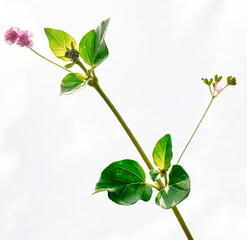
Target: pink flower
point(218, 89)
point(21, 38)
point(11, 35)
point(24, 39)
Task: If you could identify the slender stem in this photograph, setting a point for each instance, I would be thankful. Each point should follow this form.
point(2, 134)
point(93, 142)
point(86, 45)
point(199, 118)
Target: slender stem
point(196, 128)
point(182, 223)
point(138, 147)
point(50, 61)
point(124, 125)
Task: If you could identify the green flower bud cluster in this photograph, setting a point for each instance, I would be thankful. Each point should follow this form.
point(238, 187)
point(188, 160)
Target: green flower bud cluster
point(214, 80)
point(215, 90)
point(207, 82)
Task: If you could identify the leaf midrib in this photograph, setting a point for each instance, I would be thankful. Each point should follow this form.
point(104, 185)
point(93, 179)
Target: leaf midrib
point(143, 180)
point(57, 39)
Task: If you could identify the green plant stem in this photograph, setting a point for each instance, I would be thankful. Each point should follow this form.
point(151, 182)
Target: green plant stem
point(79, 63)
point(124, 125)
point(138, 147)
point(165, 177)
point(196, 128)
point(50, 60)
point(182, 223)
point(210, 90)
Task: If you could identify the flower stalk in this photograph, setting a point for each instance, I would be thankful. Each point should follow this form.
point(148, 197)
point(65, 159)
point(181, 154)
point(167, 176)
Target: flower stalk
point(198, 125)
point(50, 60)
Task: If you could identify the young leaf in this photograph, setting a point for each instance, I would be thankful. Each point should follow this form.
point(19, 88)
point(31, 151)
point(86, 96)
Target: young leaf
point(162, 153)
point(92, 47)
point(72, 82)
point(86, 47)
point(179, 188)
point(60, 42)
point(125, 182)
point(154, 174)
point(101, 50)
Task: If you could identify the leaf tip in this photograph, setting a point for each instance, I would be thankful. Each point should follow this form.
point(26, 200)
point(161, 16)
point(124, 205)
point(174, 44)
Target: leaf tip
point(46, 29)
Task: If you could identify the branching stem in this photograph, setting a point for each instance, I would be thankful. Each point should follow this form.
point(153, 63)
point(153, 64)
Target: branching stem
point(140, 150)
point(160, 184)
point(79, 63)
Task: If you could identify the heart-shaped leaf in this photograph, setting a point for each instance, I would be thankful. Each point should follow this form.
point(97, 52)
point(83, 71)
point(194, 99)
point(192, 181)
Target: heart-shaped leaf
point(92, 47)
point(162, 153)
point(179, 188)
point(125, 182)
point(60, 42)
point(72, 82)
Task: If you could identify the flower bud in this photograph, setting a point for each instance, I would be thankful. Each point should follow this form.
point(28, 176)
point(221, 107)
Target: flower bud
point(205, 80)
point(217, 79)
point(210, 81)
point(231, 80)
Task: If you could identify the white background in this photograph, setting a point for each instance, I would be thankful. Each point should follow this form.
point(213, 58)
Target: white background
point(53, 148)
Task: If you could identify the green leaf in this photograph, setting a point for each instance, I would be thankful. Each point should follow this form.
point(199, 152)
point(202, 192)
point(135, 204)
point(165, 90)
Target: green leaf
point(100, 49)
point(72, 82)
point(162, 153)
point(179, 188)
point(154, 174)
point(60, 42)
point(92, 47)
point(86, 47)
point(125, 182)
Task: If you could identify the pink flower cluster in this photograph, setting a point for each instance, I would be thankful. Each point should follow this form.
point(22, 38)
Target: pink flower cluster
point(21, 38)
